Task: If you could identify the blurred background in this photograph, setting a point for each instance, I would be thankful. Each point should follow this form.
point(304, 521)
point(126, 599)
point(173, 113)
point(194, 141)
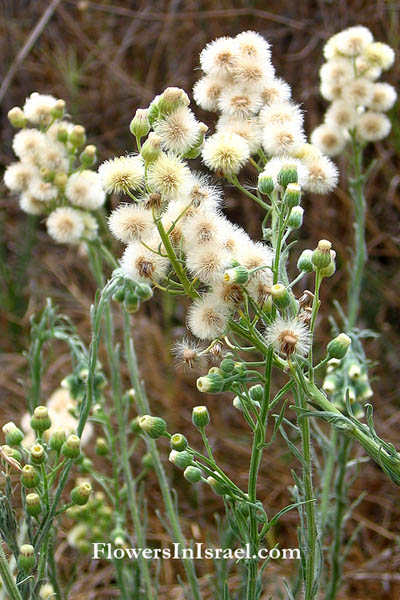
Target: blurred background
point(106, 59)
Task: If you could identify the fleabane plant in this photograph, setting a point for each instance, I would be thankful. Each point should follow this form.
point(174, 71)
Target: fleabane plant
point(246, 310)
point(53, 175)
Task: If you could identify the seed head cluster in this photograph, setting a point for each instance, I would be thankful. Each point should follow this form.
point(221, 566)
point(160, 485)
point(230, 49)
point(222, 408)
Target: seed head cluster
point(349, 81)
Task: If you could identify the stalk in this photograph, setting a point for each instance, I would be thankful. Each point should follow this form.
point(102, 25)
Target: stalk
point(8, 579)
point(143, 405)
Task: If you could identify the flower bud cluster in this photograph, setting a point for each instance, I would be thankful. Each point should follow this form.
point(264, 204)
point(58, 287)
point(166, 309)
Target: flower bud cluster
point(349, 80)
point(52, 176)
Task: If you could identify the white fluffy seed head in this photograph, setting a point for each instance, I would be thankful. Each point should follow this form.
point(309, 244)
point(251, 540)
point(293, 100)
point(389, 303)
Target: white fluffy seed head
point(53, 156)
point(373, 126)
point(122, 174)
point(84, 189)
point(31, 205)
point(65, 225)
point(323, 175)
point(18, 176)
point(226, 153)
point(358, 92)
point(275, 90)
point(248, 128)
point(255, 255)
point(383, 97)
point(341, 114)
point(202, 228)
point(289, 336)
point(282, 139)
point(37, 108)
point(328, 139)
point(170, 177)
point(130, 222)
point(251, 73)
point(219, 56)
point(237, 101)
point(281, 113)
point(207, 319)
point(28, 144)
point(90, 226)
point(143, 265)
point(179, 130)
point(206, 92)
point(207, 262)
point(252, 45)
point(338, 71)
point(380, 55)
point(354, 40)
point(365, 68)
point(234, 238)
point(43, 190)
point(330, 90)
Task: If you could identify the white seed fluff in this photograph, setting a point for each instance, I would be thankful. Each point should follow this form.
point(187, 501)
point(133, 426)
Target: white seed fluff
point(170, 177)
point(84, 189)
point(227, 153)
point(207, 319)
point(129, 222)
point(122, 174)
point(65, 225)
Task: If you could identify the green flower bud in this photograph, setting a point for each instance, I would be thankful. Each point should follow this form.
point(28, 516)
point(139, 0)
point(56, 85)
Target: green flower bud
point(140, 124)
point(119, 294)
point(13, 434)
point(265, 184)
point(192, 474)
point(144, 291)
point(321, 257)
point(178, 442)
point(71, 448)
point(280, 296)
point(354, 371)
point(38, 455)
point(180, 459)
point(331, 268)
point(131, 302)
point(30, 477)
point(153, 109)
point(151, 149)
point(88, 155)
point(16, 117)
point(77, 137)
point(57, 112)
point(295, 220)
point(147, 461)
point(60, 180)
point(200, 417)
point(118, 537)
point(337, 348)
point(227, 365)
point(62, 134)
point(135, 426)
point(287, 174)
point(80, 495)
point(47, 592)
point(101, 447)
point(85, 465)
point(33, 504)
point(238, 275)
point(292, 195)
point(215, 370)
point(12, 452)
point(305, 261)
point(217, 486)
point(155, 427)
point(40, 421)
point(330, 384)
point(26, 559)
point(238, 404)
point(57, 439)
point(171, 99)
point(240, 368)
point(257, 393)
point(210, 384)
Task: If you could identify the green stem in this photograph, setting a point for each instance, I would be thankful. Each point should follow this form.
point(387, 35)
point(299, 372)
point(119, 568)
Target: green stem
point(327, 478)
point(357, 184)
point(340, 484)
point(143, 406)
point(8, 579)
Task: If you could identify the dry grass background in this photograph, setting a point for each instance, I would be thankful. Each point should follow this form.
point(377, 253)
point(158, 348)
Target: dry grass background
point(108, 58)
